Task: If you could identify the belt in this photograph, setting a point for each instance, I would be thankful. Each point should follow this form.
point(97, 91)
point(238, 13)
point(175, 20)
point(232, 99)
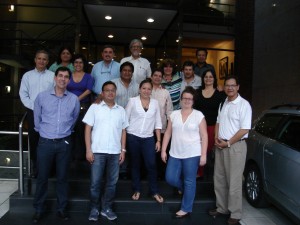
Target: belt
point(243, 139)
point(56, 139)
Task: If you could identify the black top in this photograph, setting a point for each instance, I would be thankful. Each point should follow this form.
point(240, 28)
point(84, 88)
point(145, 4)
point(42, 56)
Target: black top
point(209, 106)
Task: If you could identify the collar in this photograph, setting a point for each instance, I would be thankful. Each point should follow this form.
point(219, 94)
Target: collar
point(235, 101)
point(52, 92)
point(103, 103)
point(44, 71)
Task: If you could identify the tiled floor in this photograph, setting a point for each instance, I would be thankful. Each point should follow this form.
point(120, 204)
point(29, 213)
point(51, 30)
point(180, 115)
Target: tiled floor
point(251, 216)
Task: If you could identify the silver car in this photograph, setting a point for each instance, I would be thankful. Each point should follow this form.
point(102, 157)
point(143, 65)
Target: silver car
point(272, 171)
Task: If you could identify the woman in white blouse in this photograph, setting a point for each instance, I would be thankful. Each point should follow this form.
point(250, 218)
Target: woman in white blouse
point(188, 149)
point(144, 117)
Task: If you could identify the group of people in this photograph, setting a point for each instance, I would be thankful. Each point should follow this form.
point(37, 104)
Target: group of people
point(136, 112)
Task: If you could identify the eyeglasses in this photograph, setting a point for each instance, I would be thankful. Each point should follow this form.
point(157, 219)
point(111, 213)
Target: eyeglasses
point(135, 46)
point(187, 99)
point(110, 91)
point(231, 86)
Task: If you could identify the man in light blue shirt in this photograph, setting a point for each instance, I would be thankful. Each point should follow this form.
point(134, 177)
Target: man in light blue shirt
point(55, 113)
point(105, 70)
point(33, 82)
point(105, 139)
point(188, 77)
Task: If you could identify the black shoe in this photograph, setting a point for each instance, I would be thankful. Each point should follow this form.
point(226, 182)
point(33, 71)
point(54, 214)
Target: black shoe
point(62, 215)
point(36, 217)
point(214, 213)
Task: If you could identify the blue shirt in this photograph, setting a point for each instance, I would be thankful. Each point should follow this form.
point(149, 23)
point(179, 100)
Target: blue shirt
point(55, 116)
point(102, 73)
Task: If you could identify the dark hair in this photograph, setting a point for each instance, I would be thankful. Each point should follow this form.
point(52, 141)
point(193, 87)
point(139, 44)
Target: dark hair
point(214, 76)
point(232, 77)
point(42, 51)
point(127, 64)
point(82, 57)
point(108, 46)
point(201, 49)
point(147, 80)
point(63, 68)
point(168, 62)
point(157, 70)
point(189, 90)
point(108, 83)
point(58, 61)
point(188, 63)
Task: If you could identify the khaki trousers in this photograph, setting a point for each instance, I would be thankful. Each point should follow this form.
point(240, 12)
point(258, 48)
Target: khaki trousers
point(228, 178)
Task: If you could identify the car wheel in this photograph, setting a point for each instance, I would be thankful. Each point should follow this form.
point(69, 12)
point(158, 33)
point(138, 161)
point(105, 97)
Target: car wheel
point(253, 186)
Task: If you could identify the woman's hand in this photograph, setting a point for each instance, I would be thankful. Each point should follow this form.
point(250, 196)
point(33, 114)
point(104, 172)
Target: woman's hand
point(157, 146)
point(89, 156)
point(164, 156)
point(202, 160)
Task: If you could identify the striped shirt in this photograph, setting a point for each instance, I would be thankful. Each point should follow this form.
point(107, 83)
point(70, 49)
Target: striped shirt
point(174, 88)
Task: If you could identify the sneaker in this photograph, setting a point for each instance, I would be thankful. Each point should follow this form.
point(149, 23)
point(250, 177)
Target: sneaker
point(94, 215)
point(109, 214)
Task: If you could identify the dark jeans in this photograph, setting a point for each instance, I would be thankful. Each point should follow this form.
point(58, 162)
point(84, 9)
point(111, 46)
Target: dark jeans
point(49, 151)
point(110, 164)
point(33, 136)
point(138, 148)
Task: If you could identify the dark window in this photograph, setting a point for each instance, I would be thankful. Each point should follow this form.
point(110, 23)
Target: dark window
point(290, 133)
point(268, 124)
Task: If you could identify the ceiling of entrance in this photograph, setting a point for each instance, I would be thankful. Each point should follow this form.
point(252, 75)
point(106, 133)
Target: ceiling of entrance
point(63, 20)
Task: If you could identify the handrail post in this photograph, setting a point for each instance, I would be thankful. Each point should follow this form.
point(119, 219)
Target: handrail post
point(21, 174)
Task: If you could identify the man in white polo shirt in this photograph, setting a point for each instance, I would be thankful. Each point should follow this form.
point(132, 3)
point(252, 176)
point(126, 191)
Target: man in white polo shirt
point(105, 140)
point(232, 127)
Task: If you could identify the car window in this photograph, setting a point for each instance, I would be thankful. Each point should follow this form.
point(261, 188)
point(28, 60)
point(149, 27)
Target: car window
point(267, 125)
point(290, 133)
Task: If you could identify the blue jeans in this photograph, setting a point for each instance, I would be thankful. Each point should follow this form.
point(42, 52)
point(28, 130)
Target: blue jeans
point(110, 164)
point(182, 173)
point(138, 148)
point(49, 151)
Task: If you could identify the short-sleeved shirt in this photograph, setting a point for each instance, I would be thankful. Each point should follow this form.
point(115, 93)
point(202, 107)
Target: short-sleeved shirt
point(78, 88)
point(186, 140)
point(234, 115)
point(107, 124)
point(195, 83)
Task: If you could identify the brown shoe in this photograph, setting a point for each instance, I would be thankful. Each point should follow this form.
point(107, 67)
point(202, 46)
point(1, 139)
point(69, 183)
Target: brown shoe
point(232, 221)
point(214, 212)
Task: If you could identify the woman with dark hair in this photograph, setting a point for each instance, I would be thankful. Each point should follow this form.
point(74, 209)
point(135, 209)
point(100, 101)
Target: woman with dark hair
point(187, 127)
point(208, 101)
point(65, 56)
point(144, 117)
point(171, 81)
point(81, 84)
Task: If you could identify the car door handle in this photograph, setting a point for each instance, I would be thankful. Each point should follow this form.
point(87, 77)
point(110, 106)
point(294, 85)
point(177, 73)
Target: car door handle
point(268, 152)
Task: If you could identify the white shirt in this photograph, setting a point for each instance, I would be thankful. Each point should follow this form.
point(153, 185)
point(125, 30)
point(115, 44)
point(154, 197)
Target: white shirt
point(234, 115)
point(195, 83)
point(141, 123)
point(34, 82)
point(107, 124)
point(142, 68)
point(124, 93)
point(165, 105)
point(186, 140)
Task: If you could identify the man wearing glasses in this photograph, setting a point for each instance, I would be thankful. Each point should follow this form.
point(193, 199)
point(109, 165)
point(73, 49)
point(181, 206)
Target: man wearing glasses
point(105, 70)
point(232, 127)
point(142, 68)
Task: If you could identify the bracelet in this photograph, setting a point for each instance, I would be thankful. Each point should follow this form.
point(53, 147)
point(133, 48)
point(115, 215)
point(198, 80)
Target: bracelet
point(123, 150)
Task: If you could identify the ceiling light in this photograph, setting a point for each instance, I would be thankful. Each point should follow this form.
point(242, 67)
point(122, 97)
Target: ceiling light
point(143, 38)
point(177, 40)
point(83, 47)
point(11, 8)
point(110, 36)
point(150, 20)
point(108, 17)
point(274, 4)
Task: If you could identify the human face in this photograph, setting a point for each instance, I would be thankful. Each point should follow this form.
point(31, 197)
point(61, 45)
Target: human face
point(78, 65)
point(156, 78)
point(65, 56)
point(109, 93)
point(62, 79)
point(108, 54)
point(126, 73)
point(41, 61)
point(168, 70)
point(201, 57)
point(136, 49)
point(187, 101)
point(188, 72)
point(231, 89)
point(209, 79)
point(145, 90)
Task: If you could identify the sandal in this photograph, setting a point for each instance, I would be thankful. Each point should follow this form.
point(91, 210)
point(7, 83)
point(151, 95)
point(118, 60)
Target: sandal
point(158, 198)
point(136, 196)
